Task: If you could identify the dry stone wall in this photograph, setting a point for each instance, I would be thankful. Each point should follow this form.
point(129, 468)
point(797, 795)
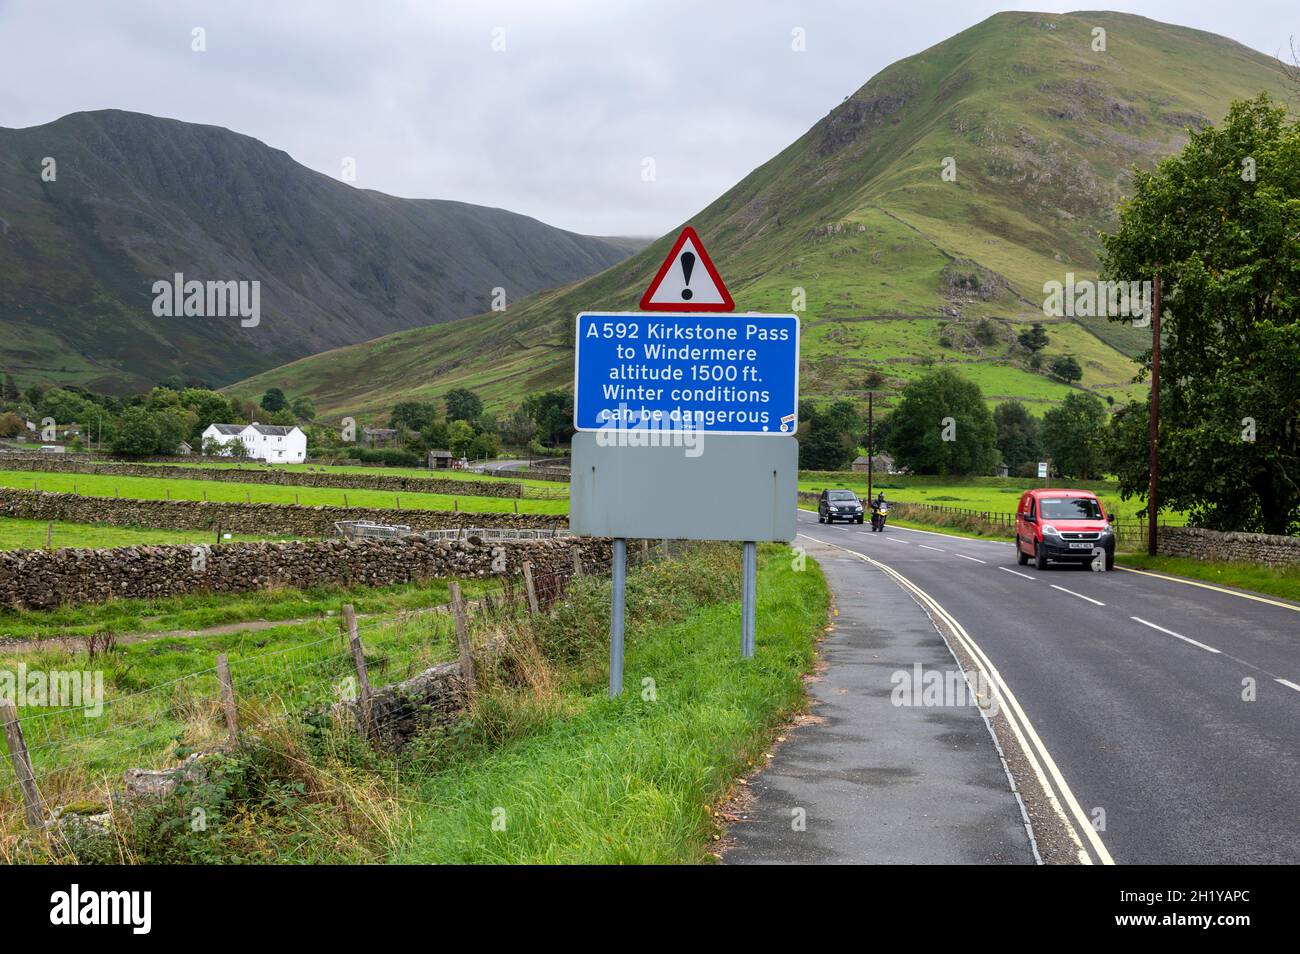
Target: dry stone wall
point(396, 483)
point(36, 579)
point(260, 518)
point(1259, 548)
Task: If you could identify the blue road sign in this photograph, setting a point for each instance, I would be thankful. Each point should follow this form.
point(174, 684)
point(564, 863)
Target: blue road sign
point(715, 373)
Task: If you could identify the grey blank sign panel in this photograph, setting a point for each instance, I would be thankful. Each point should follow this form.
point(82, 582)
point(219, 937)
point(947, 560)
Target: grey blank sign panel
point(740, 487)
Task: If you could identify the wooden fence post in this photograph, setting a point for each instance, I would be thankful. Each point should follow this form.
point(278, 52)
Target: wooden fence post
point(467, 674)
point(576, 552)
point(516, 505)
point(228, 698)
point(345, 501)
point(32, 804)
point(528, 584)
point(359, 659)
point(49, 535)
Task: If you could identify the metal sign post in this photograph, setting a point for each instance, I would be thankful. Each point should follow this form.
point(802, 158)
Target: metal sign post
point(748, 594)
point(617, 594)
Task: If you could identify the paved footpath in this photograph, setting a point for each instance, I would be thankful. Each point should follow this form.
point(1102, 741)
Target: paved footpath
point(879, 783)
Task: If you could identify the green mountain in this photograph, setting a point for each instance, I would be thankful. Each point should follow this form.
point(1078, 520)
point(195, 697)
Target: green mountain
point(135, 199)
point(900, 267)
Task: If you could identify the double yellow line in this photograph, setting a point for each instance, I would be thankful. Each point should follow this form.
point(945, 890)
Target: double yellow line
point(1035, 752)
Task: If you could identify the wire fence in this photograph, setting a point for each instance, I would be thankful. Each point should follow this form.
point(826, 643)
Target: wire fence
point(59, 754)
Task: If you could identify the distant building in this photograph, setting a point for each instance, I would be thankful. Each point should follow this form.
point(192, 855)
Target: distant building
point(184, 449)
point(439, 460)
point(883, 464)
point(273, 443)
point(379, 436)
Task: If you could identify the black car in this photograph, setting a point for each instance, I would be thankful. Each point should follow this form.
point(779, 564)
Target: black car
point(839, 505)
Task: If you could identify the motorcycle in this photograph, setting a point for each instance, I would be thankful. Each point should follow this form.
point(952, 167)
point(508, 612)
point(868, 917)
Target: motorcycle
point(878, 515)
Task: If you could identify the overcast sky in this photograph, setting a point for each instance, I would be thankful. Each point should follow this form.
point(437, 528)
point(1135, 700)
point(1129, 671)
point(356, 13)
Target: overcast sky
point(556, 125)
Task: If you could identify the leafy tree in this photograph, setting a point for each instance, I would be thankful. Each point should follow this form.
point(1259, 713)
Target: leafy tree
point(436, 436)
point(137, 434)
point(553, 413)
point(923, 440)
point(460, 435)
point(209, 408)
point(173, 382)
point(1219, 224)
point(485, 444)
point(828, 438)
point(519, 428)
point(413, 415)
point(64, 406)
point(274, 400)
point(1035, 339)
point(304, 408)
point(1018, 436)
point(1066, 368)
point(10, 391)
point(11, 425)
point(1074, 435)
point(463, 405)
point(283, 417)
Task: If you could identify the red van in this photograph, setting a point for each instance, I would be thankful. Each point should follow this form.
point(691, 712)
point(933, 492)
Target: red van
point(1064, 525)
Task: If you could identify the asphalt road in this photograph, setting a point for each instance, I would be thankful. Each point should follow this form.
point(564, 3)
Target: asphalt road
point(1138, 688)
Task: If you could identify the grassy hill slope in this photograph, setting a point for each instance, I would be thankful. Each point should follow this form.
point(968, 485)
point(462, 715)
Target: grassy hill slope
point(898, 265)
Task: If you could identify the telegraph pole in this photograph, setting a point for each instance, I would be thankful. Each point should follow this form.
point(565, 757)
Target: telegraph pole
point(871, 447)
point(1153, 488)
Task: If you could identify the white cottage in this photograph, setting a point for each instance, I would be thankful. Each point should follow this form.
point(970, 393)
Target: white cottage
point(272, 443)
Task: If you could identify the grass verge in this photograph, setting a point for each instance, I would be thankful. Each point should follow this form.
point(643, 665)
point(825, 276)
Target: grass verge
point(630, 780)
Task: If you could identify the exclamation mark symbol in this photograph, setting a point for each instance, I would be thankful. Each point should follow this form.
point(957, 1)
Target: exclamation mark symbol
point(688, 266)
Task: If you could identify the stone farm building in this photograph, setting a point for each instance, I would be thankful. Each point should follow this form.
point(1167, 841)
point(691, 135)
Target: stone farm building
point(272, 443)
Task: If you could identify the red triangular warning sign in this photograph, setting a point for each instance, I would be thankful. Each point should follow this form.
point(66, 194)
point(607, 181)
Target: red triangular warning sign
point(687, 280)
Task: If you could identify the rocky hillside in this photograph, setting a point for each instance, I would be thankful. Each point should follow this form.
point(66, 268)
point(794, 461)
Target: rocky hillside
point(135, 199)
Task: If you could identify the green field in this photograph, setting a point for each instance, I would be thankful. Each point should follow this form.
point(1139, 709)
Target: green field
point(158, 488)
point(424, 472)
point(17, 534)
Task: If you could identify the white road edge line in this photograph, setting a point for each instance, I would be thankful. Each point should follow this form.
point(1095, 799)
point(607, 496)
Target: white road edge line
point(1016, 719)
point(1211, 586)
point(1080, 595)
point(1016, 572)
point(1170, 632)
point(1289, 684)
point(975, 559)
